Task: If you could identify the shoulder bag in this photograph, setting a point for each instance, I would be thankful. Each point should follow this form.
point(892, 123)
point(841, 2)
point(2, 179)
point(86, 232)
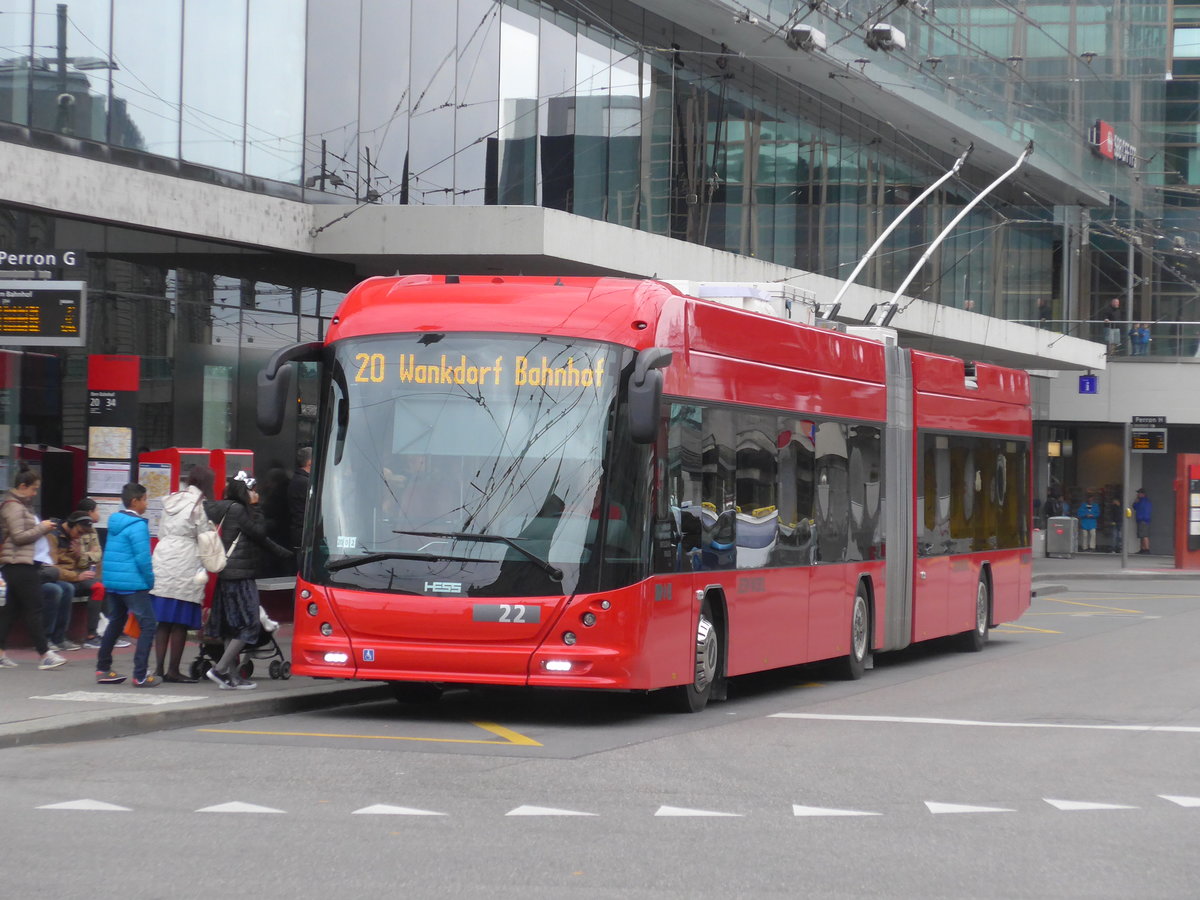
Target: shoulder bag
point(213, 555)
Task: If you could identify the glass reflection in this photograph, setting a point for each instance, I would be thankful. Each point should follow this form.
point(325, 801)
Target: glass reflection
point(70, 69)
point(146, 51)
point(16, 57)
point(214, 95)
point(275, 90)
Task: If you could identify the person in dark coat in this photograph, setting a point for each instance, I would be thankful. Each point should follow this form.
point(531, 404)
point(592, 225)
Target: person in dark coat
point(234, 617)
point(297, 497)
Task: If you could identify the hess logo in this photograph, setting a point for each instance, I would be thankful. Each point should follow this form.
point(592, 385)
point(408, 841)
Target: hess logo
point(443, 587)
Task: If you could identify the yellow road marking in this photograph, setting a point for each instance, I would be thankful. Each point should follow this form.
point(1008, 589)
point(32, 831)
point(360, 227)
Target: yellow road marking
point(1096, 606)
point(511, 738)
point(1022, 629)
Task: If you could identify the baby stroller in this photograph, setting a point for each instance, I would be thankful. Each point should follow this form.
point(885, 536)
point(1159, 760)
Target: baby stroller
point(265, 647)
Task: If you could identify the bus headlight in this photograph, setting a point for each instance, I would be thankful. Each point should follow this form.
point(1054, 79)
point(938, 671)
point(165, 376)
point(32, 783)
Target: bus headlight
point(326, 629)
point(569, 638)
point(339, 659)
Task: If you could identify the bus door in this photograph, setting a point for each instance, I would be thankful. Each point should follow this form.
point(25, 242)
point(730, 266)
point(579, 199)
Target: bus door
point(931, 571)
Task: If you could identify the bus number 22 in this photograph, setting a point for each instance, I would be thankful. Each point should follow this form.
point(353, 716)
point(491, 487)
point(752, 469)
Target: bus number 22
point(371, 367)
point(512, 612)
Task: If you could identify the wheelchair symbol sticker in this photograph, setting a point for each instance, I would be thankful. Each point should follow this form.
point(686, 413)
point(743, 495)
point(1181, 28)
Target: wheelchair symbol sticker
point(368, 656)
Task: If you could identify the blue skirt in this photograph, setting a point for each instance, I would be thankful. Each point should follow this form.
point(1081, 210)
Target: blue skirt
point(176, 612)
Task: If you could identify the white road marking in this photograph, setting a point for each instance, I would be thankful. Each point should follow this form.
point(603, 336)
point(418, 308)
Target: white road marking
point(544, 811)
point(1077, 805)
point(238, 806)
point(1181, 801)
point(681, 811)
point(382, 809)
point(941, 808)
point(822, 811)
point(149, 698)
point(98, 805)
point(920, 720)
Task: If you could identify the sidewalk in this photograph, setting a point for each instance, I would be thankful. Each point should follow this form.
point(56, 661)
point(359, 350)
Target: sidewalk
point(66, 704)
point(1107, 565)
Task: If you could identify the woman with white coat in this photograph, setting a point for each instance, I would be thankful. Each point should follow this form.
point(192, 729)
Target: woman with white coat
point(179, 578)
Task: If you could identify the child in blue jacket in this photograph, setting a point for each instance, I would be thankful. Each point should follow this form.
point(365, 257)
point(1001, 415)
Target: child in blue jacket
point(128, 576)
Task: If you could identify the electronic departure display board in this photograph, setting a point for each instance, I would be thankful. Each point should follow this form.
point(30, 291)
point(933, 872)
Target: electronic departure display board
point(42, 313)
point(1148, 440)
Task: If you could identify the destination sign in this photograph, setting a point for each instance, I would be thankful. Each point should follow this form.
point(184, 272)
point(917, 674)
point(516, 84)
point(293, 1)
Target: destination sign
point(517, 371)
point(42, 313)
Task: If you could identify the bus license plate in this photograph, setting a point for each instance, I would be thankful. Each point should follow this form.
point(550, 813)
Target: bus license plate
point(516, 613)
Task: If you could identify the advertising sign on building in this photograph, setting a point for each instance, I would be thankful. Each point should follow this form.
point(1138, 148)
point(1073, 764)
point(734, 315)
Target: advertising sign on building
point(1108, 145)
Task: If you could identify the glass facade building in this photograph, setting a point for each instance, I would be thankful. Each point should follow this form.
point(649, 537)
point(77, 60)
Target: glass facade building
point(612, 110)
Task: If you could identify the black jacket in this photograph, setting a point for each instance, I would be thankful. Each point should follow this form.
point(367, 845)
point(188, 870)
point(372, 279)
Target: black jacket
point(297, 497)
point(247, 559)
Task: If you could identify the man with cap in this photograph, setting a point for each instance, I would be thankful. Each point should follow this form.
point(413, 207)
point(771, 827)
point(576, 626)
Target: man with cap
point(74, 566)
point(1141, 515)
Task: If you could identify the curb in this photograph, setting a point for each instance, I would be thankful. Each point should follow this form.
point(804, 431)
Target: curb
point(104, 724)
point(1118, 575)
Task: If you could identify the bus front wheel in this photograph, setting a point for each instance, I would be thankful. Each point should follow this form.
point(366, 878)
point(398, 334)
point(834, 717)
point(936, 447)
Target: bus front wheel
point(691, 698)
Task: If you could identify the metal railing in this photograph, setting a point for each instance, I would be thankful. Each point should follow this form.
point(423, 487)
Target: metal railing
point(1129, 339)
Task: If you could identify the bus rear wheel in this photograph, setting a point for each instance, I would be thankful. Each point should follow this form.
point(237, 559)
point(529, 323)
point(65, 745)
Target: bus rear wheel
point(854, 663)
point(692, 698)
point(972, 641)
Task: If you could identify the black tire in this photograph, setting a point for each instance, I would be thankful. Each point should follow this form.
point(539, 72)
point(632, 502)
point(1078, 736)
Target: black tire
point(692, 698)
point(415, 691)
point(286, 672)
point(275, 669)
point(246, 669)
point(198, 668)
point(852, 666)
point(973, 641)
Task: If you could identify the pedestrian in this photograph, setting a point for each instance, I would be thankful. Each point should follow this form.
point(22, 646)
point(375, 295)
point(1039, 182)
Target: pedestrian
point(128, 576)
point(1116, 512)
point(1053, 506)
point(1139, 339)
point(1141, 515)
point(1089, 517)
point(76, 569)
point(1043, 313)
point(179, 577)
point(22, 535)
point(297, 497)
point(1112, 325)
point(235, 615)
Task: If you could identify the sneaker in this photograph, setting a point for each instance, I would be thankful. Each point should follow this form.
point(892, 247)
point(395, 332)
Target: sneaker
point(70, 645)
point(222, 681)
point(121, 642)
point(6, 663)
point(148, 681)
point(244, 685)
point(91, 644)
point(51, 661)
point(53, 648)
point(109, 677)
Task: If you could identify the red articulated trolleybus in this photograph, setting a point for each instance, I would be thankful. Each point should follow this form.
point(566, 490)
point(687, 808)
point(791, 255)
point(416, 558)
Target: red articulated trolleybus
point(607, 483)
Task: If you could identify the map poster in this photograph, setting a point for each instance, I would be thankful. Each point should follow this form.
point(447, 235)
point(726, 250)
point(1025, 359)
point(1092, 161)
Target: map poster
point(156, 479)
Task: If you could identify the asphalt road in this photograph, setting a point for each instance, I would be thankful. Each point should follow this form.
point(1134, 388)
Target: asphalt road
point(1062, 761)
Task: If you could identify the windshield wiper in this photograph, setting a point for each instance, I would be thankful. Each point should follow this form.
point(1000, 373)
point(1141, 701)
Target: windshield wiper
point(351, 562)
point(553, 571)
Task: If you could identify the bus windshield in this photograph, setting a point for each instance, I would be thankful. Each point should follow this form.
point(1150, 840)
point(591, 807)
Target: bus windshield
point(473, 465)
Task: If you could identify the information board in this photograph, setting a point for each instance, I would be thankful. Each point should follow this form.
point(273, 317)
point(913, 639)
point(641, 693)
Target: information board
point(1148, 440)
point(43, 313)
